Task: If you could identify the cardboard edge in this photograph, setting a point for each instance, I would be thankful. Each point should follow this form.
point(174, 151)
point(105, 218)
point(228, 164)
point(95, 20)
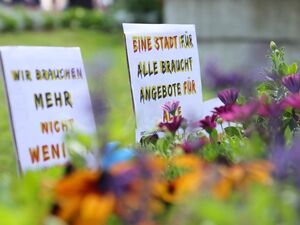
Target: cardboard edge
point(131, 88)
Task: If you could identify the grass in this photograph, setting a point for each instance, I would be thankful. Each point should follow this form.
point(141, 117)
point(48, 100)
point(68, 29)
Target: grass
point(89, 41)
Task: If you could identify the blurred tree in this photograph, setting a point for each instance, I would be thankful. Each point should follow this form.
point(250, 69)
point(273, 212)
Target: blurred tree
point(143, 5)
point(142, 9)
point(82, 3)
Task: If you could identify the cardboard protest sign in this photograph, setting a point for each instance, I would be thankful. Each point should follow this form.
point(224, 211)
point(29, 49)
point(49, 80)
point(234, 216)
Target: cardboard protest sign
point(164, 66)
point(48, 96)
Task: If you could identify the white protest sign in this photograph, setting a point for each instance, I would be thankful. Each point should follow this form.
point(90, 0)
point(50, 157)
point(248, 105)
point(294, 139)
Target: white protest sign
point(164, 66)
point(48, 96)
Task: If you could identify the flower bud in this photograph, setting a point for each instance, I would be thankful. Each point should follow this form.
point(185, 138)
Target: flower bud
point(220, 120)
point(184, 124)
point(273, 45)
point(277, 52)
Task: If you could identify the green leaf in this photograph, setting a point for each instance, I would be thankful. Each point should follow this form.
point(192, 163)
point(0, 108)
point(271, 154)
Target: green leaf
point(263, 87)
point(293, 68)
point(149, 138)
point(210, 152)
point(283, 69)
point(288, 135)
point(266, 88)
point(163, 147)
point(214, 135)
point(241, 100)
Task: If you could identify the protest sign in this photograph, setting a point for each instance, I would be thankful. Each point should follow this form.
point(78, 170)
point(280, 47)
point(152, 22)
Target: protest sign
point(48, 96)
point(163, 66)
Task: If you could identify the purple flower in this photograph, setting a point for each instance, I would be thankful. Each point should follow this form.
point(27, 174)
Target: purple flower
point(228, 96)
point(218, 79)
point(208, 123)
point(286, 162)
point(240, 112)
point(292, 83)
point(171, 107)
point(118, 184)
point(172, 126)
point(292, 101)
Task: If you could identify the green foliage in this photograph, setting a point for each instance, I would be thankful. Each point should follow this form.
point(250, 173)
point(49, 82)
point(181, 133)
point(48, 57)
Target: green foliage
point(235, 148)
point(233, 131)
point(49, 22)
point(212, 151)
point(273, 87)
point(172, 172)
point(27, 200)
point(114, 220)
point(261, 206)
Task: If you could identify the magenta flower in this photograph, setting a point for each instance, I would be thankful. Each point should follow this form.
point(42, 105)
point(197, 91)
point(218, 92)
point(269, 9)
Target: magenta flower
point(171, 107)
point(292, 83)
point(208, 123)
point(240, 112)
point(228, 96)
point(292, 101)
point(172, 126)
point(222, 109)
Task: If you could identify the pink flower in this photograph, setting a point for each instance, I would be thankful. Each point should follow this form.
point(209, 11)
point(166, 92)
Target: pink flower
point(228, 96)
point(240, 112)
point(292, 101)
point(171, 107)
point(292, 83)
point(172, 126)
point(208, 123)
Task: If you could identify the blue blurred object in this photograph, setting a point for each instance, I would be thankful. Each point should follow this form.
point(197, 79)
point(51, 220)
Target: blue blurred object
point(113, 154)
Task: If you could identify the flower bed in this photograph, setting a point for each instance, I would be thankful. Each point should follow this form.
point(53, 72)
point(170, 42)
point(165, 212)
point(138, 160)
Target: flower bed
point(195, 174)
